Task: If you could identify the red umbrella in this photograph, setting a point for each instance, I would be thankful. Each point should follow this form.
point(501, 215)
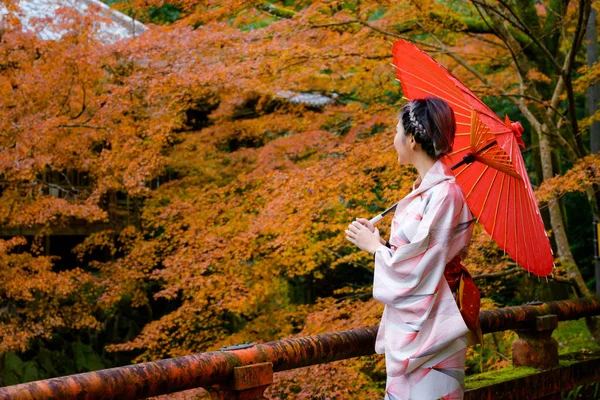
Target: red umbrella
point(486, 160)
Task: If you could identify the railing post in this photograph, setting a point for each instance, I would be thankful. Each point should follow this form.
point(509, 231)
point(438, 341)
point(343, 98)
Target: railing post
point(249, 383)
point(536, 347)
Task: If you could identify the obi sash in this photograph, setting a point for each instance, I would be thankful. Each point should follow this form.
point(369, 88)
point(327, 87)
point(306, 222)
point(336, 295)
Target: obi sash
point(467, 298)
point(466, 295)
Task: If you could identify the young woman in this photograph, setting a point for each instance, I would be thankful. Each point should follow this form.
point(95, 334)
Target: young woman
point(423, 332)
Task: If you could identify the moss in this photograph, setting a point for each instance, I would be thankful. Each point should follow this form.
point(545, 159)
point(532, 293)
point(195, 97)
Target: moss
point(509, 373)
point(564, 360)
point(12, 370)
point(44, 360)
point(497, 376)
point(85, 358)
point(573, 336)
point(30, 371)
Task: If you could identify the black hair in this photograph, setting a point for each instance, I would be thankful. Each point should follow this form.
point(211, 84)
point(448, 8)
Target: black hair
point(432, 123)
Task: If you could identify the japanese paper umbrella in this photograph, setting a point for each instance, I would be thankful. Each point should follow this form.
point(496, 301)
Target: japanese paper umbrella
point(486, 161)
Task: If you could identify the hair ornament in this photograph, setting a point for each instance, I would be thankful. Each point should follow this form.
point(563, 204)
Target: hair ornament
point(436, 147)
point(419, 129)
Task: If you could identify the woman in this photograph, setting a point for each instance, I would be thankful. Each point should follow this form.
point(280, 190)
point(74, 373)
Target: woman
point(423, 332)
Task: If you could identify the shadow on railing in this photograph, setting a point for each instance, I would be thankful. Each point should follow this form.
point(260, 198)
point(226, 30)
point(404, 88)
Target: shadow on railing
point(245, 371)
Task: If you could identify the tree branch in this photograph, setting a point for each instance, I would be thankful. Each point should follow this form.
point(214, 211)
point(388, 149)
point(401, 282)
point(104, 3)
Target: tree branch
point(81, 126)
point(277, 11)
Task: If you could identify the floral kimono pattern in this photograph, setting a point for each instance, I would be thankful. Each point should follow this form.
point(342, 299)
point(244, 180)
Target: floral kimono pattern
point(422, 332)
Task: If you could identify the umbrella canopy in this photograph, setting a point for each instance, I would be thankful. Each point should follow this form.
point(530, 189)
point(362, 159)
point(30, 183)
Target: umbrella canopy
point(486, 160)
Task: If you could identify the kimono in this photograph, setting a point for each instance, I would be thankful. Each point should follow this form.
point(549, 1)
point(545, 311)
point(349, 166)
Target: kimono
point(422, 333)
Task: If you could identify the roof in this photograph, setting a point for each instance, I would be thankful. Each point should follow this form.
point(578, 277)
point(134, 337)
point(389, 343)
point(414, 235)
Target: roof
point(312, 99)
point(121, 26)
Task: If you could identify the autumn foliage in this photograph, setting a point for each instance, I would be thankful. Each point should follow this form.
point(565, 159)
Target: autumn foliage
point(242, 195)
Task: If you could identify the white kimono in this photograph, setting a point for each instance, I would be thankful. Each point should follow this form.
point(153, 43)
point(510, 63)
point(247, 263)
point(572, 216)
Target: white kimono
point(422, 332)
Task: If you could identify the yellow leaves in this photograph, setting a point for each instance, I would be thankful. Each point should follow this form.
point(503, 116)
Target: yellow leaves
point(587, 122)
point(586, 76)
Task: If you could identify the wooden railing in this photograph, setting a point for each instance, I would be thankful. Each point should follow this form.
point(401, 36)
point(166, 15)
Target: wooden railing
point(245, 371)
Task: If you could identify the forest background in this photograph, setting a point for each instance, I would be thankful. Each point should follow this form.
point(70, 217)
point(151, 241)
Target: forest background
point(167, 194)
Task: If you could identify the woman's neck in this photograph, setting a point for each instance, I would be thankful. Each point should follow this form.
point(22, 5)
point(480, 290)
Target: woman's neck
point(423, 165)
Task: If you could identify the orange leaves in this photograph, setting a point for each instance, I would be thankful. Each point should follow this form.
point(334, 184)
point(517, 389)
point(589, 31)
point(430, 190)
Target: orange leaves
point(45, 210)
point(536, 76)
point(262, 190)
point(577, 179)
point(36, 301)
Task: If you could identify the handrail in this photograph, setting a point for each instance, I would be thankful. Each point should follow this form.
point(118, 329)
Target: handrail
point(218, 367)
point(198, 370)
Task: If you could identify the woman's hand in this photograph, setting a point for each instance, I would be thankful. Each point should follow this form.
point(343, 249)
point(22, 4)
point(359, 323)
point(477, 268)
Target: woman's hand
point(366, 223)
point(371, 227)
point(362, 237)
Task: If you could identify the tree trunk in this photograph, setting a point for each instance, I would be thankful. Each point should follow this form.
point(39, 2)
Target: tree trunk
point(593, 98)
point(564, 252)
point(594, 90)
point(558, 230)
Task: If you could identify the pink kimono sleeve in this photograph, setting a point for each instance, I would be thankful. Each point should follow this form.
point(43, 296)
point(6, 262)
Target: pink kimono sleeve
point(408, 278)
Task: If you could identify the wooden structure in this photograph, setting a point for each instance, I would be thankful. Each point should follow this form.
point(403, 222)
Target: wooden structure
point(245, 371)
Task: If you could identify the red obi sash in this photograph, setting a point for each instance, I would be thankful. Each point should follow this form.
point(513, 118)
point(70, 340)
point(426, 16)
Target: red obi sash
point(467, 297)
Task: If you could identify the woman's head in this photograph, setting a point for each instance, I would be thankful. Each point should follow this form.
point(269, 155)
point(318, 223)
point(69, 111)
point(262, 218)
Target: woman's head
point(426, 125)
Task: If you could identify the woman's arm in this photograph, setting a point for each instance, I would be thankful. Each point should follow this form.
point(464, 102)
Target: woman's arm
point(413, 271)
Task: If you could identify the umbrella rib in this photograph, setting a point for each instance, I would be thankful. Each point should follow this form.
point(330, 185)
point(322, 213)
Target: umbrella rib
point(481, 131)
point(478, 179)
point(535, 226)
point(498, 205)
point(458, 151)
point(516, 237)
point(535, 223)
point(515, 220)
point(497, 131)
point(523, 229)
point(466, 108)
point(488, 192)
point(475, 123)
point(497, 149)
point(465, 104)
point(437, 95)
point(500, 161)
point(506, 227)
point(416, 63)
point(486, 110)
point(461, 171)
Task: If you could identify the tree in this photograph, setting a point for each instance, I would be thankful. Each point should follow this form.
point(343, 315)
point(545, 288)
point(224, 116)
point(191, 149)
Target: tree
point(245, 242)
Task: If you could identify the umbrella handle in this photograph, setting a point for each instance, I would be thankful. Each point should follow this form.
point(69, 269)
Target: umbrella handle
point(376, 219)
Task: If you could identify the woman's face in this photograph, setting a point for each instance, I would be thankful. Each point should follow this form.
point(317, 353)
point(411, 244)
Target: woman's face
point(402, 143)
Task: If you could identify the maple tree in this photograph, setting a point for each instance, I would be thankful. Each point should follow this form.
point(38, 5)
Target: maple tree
point(245, 241)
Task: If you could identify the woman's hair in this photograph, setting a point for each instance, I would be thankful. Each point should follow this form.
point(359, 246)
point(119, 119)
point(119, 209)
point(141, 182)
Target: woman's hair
point(432, 123)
